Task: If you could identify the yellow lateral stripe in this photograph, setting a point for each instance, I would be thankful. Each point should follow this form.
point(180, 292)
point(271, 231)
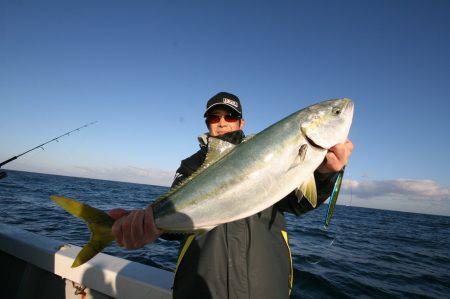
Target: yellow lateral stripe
point(291, 276)
point(183, 251)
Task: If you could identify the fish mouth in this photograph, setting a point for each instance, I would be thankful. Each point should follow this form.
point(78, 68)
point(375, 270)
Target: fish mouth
point(313, 144)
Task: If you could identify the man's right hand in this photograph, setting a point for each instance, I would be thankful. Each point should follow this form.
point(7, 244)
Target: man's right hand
point(134, 229)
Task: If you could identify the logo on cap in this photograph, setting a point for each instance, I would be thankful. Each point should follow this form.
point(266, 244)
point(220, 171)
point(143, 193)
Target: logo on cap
point(230, 102)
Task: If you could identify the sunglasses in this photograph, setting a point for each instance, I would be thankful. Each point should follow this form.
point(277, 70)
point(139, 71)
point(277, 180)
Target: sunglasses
point(214, 119)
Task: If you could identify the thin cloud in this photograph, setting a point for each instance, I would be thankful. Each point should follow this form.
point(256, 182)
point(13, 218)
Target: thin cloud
point(131, 174)
point(411, 189)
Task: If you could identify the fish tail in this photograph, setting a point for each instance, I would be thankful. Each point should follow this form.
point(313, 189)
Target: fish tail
point(98, 222)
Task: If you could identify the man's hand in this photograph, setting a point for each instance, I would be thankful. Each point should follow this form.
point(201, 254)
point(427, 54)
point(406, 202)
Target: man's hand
point(134, 229)
point(336, 158)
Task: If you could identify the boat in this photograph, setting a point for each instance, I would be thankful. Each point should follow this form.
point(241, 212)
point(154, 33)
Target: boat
point(35, 266)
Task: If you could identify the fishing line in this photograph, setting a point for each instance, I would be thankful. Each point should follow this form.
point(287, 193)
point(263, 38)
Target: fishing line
point(75, 146)
point(329, 213)
point(324, 249)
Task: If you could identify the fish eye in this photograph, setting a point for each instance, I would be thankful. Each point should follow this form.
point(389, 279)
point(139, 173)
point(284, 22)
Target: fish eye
point(336, 111)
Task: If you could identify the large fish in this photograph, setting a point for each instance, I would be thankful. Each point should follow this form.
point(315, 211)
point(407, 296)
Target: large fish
point(237, 181)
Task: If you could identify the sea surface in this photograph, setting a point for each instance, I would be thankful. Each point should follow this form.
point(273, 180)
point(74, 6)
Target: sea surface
point(365, 253)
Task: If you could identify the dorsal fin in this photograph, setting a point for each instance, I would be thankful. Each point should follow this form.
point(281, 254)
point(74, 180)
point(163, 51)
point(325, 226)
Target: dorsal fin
point(248, 137)
point(217, 149)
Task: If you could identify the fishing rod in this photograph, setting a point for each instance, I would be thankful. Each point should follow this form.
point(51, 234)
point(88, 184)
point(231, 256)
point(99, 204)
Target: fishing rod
point(3, 174)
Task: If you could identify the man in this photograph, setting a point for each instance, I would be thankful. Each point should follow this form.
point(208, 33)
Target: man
point(245, 258)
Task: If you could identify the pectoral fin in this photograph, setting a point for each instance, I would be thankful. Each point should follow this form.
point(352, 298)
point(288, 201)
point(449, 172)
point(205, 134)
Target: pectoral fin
point(302, 152)
point(301, 156)
point(308, 190)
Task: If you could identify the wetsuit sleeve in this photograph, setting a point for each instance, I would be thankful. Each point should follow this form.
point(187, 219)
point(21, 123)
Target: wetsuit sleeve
point(296, 206)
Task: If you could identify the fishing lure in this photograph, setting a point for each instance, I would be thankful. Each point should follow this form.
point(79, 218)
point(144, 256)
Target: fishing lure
point(333, 198)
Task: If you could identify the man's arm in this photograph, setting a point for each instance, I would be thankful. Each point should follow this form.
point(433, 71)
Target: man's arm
point(137, 228)
point(326, 175)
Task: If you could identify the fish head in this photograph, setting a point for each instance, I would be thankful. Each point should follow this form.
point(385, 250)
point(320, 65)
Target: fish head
point(328, 123)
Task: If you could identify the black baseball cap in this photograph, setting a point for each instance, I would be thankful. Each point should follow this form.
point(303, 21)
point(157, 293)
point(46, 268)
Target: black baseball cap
point(226, 99)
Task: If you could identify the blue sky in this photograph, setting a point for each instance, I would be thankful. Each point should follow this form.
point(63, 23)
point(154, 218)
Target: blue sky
point(144, 70)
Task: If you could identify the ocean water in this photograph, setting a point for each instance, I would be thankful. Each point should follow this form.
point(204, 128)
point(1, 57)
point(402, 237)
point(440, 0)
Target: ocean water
point(365, 253)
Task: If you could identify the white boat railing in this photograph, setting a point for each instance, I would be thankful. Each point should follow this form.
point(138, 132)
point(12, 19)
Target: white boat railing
point(105, 274)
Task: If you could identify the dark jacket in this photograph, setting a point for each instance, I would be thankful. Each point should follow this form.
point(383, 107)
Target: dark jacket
point(247, 258)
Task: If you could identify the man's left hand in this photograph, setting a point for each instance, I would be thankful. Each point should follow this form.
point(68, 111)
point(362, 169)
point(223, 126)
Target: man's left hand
point(337, 157)
point(134, 229)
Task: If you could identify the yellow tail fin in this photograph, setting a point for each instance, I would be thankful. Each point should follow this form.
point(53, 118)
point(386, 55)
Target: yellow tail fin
point(99, 223)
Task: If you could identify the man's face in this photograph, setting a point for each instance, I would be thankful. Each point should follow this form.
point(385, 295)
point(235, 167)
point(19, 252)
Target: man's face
point(223, 126)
